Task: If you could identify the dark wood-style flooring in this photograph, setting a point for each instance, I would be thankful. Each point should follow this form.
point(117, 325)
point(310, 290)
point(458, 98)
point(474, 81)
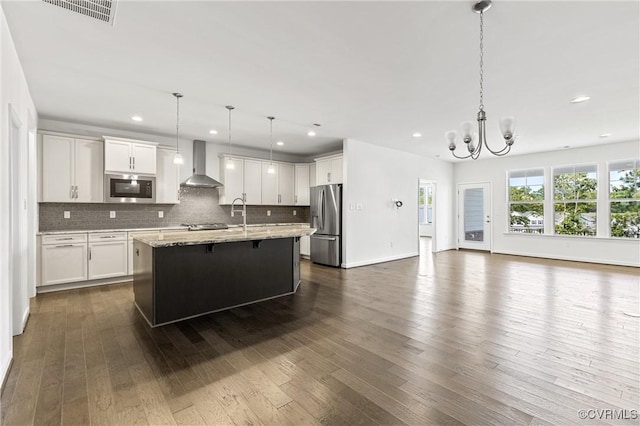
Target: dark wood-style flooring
point(449, 338)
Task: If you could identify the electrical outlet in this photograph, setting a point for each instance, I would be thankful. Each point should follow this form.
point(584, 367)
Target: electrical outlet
point(112, 214)
point(352, 206)
point(67, 214)
point(268, 212)
point(359, 206)
point(295, 213)
point(232, 213)
point(160, 214)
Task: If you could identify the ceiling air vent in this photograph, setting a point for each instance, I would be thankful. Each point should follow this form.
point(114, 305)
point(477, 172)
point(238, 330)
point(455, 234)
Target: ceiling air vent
point(102, 10)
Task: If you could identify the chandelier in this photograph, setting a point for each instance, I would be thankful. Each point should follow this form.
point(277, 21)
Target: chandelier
point(507, 124)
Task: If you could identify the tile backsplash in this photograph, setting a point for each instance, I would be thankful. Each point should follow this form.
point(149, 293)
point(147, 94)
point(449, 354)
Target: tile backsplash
point(197, 205)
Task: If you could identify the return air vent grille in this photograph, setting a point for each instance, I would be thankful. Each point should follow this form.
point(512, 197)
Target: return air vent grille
point(102, 10)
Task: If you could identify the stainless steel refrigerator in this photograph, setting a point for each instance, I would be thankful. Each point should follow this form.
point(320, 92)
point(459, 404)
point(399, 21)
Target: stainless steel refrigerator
point(326, 217)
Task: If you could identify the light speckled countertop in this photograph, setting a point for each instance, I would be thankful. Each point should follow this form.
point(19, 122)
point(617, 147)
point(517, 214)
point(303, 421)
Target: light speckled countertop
point(165, 229)
point(262, 232)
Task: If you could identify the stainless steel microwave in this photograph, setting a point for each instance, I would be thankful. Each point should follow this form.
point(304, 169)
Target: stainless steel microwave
point(129, 189)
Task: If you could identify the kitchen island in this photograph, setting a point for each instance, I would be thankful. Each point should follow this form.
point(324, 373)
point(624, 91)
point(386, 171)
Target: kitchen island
point(180, 275)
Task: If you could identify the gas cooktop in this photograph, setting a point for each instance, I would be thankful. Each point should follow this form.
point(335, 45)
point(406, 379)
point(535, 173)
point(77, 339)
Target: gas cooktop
point(205, 226)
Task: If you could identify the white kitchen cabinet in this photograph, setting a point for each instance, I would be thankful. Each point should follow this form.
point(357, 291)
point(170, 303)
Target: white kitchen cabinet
point(329, 170)
point(64, 258)
point(243, 180)
point(108, 255)
point(130, 255)
point(278, 188)
point(167, 178)
point(72, 170)
point(129, 156)
point(301, 185)
point(305, 245)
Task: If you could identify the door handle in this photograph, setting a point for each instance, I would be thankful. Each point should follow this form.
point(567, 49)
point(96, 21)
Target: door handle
point(317, 237)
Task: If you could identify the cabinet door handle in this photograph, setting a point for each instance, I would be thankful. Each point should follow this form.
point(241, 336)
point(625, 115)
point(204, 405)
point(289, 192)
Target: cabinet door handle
point(71, 192)
point(134, 163)
point(295, 199)
point(89, 253)
point(329, 177)
point(76, 191)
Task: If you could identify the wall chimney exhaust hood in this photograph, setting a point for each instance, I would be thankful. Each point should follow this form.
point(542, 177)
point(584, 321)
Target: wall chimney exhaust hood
point(199, 177)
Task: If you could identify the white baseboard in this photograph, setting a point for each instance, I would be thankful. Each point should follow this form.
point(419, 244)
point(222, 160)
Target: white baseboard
point(379, 260)
point(5, 363)
point(83, 284)
point(570, 258)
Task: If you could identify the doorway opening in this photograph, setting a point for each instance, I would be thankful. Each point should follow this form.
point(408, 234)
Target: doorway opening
point(427, 216)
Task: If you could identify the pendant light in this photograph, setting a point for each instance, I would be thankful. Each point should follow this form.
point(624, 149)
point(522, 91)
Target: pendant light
point(271, 169)
point(230, 164)
point(177, 159)
point(507, 124)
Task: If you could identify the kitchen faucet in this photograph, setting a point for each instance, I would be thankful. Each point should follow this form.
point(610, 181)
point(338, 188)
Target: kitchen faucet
point(243, 211)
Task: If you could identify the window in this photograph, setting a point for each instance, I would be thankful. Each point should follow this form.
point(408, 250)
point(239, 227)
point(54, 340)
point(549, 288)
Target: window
point(624, 198)
point(526, 201)
point(575, 205)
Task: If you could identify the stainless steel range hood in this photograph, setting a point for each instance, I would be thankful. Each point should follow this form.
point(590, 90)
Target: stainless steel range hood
point(199, 178)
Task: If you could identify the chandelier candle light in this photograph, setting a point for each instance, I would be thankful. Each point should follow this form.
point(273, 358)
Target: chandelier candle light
point(507, 124)
point(230, 164)
point(177, 159)
point(271, 169)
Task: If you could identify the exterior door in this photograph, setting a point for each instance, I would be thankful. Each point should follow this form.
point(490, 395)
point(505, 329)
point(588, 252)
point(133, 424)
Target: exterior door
point(474, 216)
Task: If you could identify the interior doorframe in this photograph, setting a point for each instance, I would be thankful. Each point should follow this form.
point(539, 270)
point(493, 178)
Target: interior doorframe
point(459, 212)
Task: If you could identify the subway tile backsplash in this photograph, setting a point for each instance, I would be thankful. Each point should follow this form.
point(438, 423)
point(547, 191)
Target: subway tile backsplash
point(197, 205)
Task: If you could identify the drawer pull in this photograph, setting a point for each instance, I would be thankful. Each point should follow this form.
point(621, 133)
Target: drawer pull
point(109, 236)
point(65, 245)
point(64, 239)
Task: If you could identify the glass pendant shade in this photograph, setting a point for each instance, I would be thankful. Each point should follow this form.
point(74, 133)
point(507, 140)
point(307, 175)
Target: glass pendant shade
point(230, 165)
point(451, 137)
point(177, 159)
point(466, 131)
point(271, 169)
point(508, 127)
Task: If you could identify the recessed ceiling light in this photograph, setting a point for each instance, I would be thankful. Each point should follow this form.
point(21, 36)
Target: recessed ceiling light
point(213, 132)
point(311, 133)
point(136, 118)
point(279, 143)
point(605, 135)
point(417, 135)
point(580, 99)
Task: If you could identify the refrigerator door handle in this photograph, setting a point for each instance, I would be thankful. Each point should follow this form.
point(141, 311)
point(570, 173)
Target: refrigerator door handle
point(318, 237)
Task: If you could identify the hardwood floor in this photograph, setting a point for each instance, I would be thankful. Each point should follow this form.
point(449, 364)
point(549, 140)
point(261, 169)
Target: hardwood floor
point(449, 338)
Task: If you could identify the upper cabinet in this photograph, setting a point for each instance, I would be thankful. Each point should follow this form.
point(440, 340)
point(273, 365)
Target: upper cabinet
point(241, 178)
point(167, 178)
point(128, 156)
point(72, 170)
point(278, 187)
point(302, 183)
point(329, 170)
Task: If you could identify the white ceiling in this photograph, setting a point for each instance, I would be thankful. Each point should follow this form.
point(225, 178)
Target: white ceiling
point(372, 71)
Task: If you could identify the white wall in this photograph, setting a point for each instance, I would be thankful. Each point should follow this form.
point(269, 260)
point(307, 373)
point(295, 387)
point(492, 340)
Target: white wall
point(15, 93)
point(380, 232)
point(600, 249)
point(186, 146)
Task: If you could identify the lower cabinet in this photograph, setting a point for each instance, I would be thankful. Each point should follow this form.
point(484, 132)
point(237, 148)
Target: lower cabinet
point(107, 255)
point(64, 258)
point(305, 245)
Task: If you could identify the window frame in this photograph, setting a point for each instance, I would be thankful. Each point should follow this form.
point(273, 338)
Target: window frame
point(610, 200)
point(541, 230)
point(575, 200)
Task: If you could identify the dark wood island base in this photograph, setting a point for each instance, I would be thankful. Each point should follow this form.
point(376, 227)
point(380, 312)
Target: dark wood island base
point(173, 283)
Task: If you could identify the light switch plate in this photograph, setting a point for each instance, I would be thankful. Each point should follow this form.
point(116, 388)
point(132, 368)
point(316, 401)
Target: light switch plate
point(160, 214)
point(295, 213)
point(268, 212)
point(112, 214)
point(67, 214)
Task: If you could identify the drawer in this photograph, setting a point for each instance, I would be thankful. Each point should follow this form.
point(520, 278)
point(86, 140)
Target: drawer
point(107, 236)
point(64, 239)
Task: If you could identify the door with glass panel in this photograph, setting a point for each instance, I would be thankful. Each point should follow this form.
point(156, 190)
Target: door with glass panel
point(474, 216)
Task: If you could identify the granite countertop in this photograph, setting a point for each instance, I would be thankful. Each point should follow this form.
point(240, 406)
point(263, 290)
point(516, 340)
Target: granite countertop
point(167, 228)
point(257, 232)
